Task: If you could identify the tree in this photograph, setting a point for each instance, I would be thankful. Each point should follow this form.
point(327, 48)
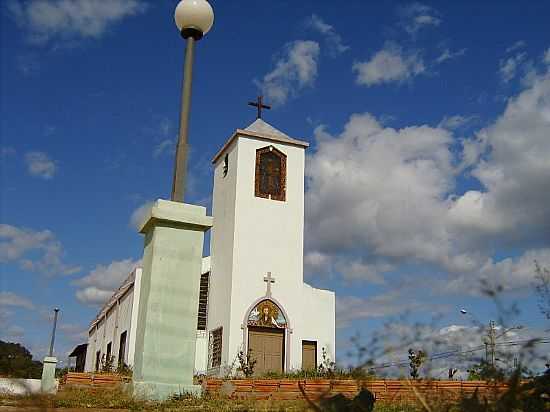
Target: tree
point(484, 371)
point(542, 288)
point(16, 362)
point(416, 359)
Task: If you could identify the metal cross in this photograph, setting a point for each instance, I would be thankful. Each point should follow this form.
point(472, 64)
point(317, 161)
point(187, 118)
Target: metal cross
point(269, 280)
point(259, 105)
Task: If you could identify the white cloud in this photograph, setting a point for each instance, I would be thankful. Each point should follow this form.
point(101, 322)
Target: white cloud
point(75, 333)
point(517, 45)
point(16, 243)
point(12, 332)
point(295, 70)
point(44, 20)
point(389, 65)
point(509, 67)
point(167, 146)
point(456, 122)
point(380, 188)
point(102, 281)
point(11, 299)
point(515, 172)
point(7, 151)
point(392, 303)
point(390, 195)
point(39, 164)
point(417, 16)
point(139, 214)
point(447, 54)
point(333, 39)
point(546, 58)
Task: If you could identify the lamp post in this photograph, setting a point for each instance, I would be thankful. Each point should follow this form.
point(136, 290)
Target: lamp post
point(52, 341)
point(194, 18)
point(166, 326)
point(48, 384)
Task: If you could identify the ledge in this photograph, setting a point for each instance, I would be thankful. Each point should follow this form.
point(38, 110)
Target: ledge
point(177, 215)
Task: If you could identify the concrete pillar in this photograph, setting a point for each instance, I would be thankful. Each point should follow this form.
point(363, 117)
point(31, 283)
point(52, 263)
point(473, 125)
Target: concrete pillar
point(168, 303)
point(48, 383)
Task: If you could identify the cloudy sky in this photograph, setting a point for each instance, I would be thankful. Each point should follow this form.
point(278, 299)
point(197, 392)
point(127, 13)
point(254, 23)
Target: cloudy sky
point(428, 171)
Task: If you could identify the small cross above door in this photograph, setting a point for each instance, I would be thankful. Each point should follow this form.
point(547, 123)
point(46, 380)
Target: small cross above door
point(269, 280)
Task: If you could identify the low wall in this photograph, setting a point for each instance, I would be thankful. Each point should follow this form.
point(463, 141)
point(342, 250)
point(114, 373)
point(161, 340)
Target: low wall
point(103, 380)
point(384, 390)
point(19, 386)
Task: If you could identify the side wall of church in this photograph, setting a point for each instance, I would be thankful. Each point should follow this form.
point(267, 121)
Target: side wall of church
point(269, 238)
point(222, 243)
point(318, 321)
point(116, 321)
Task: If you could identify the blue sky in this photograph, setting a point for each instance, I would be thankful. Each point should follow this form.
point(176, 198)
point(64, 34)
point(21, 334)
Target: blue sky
point(428, 168)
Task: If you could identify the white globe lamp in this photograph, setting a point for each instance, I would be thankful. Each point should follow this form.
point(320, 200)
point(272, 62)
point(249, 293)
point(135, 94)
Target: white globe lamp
point(194, 18)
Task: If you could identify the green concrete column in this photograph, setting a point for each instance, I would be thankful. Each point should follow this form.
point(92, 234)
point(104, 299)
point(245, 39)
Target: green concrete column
point(48, 383)
point(166, 330)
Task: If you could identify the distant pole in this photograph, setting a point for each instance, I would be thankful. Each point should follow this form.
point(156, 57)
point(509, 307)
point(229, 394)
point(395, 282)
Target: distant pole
point(56, 311)
point(492, 341)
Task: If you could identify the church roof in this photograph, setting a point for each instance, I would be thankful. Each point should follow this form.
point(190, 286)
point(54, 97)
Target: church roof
point(261, 130)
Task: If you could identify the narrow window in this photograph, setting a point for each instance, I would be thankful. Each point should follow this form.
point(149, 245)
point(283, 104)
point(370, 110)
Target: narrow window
point(216, 344)
point(97, 361)
point(122, 350)
point(203, 302)
point(225, 164)
point(109, 347)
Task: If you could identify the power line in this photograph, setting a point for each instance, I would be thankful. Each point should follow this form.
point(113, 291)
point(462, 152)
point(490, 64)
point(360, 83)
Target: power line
point(448, 354)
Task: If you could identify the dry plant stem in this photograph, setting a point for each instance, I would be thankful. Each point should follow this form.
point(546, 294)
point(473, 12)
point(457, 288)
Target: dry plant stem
point(419, 396)
point(309, 401)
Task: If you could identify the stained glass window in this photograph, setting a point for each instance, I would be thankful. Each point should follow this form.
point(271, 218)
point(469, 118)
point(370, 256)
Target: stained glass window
point(270, 173)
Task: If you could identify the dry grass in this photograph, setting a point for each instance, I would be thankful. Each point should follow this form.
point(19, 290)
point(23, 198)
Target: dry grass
point(120, 400)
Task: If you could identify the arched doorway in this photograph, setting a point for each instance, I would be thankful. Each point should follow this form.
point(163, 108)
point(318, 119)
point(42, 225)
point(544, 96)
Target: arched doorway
point(267, 326)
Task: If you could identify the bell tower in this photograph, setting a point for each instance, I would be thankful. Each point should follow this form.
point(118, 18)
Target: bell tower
point(258, 209)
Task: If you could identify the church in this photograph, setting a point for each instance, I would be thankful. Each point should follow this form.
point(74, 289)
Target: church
point(252, 294)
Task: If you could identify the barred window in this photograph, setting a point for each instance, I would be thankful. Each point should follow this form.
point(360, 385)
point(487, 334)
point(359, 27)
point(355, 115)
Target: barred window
point(216, 344)
point(203, 302)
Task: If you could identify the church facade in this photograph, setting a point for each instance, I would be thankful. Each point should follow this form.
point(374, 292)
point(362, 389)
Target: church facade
point(252, 298)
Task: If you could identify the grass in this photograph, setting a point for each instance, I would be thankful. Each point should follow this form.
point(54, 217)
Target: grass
point(118, 399)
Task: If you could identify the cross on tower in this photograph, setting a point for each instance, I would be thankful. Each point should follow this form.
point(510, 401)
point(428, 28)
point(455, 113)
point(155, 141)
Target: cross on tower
point(269, 280)
point(259, 105)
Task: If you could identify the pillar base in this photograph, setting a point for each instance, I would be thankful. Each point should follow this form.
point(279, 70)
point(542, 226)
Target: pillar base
point(166, 328)
point(163, 391)
point(48, 383)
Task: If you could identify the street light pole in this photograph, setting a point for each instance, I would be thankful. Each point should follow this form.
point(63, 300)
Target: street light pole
point(180, 166)
point(194, 18)
point(52, 341)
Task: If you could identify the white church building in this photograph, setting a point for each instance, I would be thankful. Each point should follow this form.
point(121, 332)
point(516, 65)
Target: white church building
point(252, 293)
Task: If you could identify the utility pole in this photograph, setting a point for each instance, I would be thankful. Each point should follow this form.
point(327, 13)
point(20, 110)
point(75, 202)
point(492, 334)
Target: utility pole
point(492, 341)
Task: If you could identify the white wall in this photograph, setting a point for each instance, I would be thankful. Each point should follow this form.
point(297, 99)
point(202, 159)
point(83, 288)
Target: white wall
point(117, 319)
point(221, 242)
point(201, 353)
point(134, 317)
point(318, 322)
point(20, 386)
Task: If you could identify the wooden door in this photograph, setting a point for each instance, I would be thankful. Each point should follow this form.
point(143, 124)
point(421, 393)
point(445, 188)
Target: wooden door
point(267, 348)
point(309, 355)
